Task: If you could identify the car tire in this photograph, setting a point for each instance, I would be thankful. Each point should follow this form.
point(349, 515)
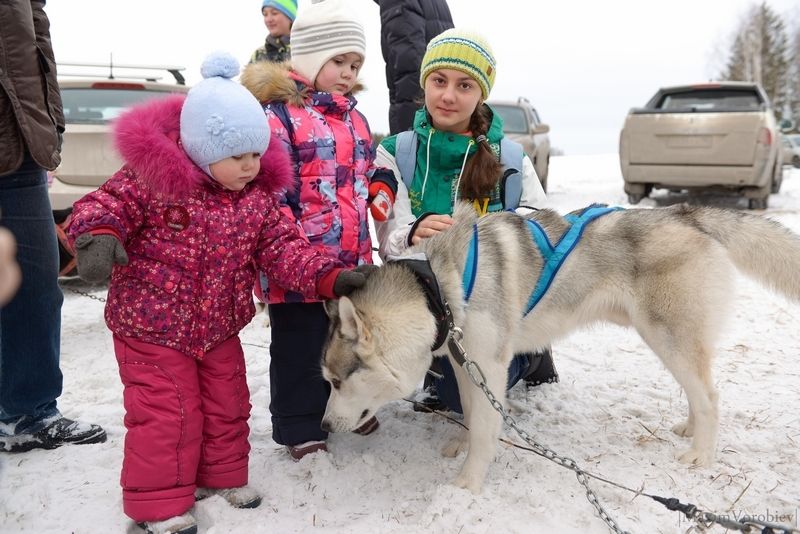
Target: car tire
point(635, 198)
point(546, 173)
point(777, 180)
point(796, 161)
point(758, 203)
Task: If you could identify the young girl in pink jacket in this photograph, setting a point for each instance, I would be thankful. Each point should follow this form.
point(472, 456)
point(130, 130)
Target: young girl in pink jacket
point(311, 109)
point(181, 229)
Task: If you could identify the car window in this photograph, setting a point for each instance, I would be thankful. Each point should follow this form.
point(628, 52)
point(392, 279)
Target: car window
point(711, 99)
point(98, 106)
point(513, 118)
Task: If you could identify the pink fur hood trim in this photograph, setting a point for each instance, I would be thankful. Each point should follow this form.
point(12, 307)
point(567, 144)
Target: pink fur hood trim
point(148, 138)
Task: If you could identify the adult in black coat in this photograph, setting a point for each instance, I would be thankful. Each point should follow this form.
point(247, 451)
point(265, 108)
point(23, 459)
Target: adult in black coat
point(406, 28)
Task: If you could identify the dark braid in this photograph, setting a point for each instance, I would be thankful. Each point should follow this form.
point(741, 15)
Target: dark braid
point(483, 170)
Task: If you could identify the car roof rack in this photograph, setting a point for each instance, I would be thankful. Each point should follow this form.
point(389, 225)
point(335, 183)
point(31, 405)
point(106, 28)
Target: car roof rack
point(174, 70)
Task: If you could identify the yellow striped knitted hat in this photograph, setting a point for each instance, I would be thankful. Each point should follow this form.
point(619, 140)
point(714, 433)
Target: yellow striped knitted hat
point(461, 50)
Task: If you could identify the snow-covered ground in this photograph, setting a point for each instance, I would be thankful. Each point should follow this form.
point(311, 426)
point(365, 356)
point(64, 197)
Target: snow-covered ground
point(612, 413)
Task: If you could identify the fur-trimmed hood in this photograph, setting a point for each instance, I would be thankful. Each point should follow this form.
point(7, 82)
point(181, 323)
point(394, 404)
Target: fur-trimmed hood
point(148, 139)
point(276, 82)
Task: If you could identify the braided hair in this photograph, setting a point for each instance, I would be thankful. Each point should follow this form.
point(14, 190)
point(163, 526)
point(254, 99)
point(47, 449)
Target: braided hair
point(483, 170)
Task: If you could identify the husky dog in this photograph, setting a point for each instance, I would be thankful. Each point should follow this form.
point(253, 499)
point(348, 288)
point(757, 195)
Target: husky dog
point(667, 272)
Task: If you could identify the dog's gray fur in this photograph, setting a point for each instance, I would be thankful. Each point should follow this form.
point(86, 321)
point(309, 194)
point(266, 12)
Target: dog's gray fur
point(667, 272)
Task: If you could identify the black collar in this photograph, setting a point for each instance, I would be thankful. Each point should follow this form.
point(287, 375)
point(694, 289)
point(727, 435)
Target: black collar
point(421, 267)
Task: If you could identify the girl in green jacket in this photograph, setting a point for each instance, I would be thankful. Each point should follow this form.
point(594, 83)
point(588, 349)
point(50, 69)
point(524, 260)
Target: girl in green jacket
point(457, 158)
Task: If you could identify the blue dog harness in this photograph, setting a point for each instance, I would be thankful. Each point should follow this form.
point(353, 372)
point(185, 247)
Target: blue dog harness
point(552, 256)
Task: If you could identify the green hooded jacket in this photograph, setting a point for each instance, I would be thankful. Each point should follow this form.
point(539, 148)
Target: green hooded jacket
point(442, 157)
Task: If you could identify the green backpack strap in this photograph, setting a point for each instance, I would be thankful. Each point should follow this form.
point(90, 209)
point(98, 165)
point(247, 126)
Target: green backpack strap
point(406, 155)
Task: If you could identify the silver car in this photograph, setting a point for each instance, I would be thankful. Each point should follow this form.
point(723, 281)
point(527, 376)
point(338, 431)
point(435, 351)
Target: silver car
point(791, 150)
point(521, 123)
point(88, 157)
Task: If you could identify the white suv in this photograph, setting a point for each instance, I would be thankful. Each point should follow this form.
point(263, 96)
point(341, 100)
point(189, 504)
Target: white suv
point(88, 157)
point(521, 123)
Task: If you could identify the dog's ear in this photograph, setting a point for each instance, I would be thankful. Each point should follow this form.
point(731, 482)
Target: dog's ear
point(331, 308)
point(352, 325)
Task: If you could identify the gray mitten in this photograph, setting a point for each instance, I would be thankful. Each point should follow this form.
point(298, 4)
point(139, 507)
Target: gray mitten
point(97, 254)
point(348, 281)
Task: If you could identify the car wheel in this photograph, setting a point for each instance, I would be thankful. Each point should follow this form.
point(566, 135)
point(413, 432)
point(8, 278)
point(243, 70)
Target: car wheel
point(796, 161)
point(635, 198)
point(777, 179)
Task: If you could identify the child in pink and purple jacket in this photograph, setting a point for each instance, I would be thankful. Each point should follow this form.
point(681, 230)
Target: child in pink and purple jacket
point(181, 229)
point(311, 109)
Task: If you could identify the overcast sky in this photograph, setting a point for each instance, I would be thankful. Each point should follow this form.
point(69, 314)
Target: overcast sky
point(582, 63)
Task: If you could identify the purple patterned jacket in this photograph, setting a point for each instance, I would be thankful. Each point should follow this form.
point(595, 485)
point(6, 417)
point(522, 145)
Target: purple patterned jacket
point(193, 246)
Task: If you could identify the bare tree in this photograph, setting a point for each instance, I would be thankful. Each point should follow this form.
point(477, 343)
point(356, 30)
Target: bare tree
point(761, 53)
point(793, 78)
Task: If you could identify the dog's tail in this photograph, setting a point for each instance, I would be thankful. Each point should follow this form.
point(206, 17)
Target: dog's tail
point(759, 247)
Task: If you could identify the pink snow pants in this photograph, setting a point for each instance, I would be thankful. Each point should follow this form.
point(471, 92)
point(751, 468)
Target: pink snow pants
point(187, 425)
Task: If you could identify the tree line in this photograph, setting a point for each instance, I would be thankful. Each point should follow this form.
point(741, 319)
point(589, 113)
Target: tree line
point(766, 50)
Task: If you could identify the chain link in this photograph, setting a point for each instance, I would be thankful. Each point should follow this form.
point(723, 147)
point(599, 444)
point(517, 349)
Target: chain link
point(477, 377)
point(82, 293)
point(703, 520)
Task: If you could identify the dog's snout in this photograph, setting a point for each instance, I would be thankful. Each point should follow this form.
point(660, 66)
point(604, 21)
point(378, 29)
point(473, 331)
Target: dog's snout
point(326, 426)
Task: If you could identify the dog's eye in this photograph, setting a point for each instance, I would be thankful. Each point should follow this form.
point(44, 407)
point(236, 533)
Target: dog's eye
point(336, 383)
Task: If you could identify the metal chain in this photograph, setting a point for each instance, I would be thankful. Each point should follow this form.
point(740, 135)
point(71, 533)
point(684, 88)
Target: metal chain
point(83, 293)
point(703, 520)
point(477, 377)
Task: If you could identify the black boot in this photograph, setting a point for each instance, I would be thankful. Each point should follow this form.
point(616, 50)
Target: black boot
point(541, 369)
point(429, 400)
point(60, 431)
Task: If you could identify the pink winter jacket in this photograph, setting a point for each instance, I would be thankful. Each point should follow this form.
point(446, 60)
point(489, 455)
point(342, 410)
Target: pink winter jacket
point(332, 147)
point(193, 246)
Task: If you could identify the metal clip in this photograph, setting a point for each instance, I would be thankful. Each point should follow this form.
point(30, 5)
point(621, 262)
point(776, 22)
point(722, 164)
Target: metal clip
point(475, 373)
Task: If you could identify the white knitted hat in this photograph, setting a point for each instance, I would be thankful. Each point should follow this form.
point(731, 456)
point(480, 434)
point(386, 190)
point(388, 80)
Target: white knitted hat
point(322, 30)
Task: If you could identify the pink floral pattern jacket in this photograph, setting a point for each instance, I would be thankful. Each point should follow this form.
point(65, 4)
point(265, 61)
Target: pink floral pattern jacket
point(193, 247)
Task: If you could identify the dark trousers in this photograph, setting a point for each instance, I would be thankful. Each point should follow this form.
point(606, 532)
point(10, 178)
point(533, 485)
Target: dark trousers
point(30, 324)
point(447, 386)
point(298, 394)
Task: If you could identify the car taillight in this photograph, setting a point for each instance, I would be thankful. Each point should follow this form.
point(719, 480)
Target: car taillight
point(765, 137)
point(118, 85)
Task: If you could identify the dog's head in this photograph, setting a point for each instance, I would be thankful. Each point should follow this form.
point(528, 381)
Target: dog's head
point(378, 347)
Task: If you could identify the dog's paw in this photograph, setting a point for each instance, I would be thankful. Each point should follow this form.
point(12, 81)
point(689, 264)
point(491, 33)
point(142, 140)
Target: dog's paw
point(515, 408)
point(684, 429)
point(468, 483)
point(696, 457)
point(453, 447)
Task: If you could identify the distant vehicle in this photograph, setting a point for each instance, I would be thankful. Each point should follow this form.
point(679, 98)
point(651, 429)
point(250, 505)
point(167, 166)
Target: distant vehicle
point(716, 136)
point(791, 150)
point(88, 157)
point(521, 123)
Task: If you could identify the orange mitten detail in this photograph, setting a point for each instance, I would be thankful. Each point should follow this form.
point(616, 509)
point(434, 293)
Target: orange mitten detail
point(382, 200)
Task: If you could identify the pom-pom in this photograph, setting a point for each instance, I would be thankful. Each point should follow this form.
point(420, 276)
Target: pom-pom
point(220, 64)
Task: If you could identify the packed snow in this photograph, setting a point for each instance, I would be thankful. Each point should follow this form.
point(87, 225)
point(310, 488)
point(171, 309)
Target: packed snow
point(611, 413)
